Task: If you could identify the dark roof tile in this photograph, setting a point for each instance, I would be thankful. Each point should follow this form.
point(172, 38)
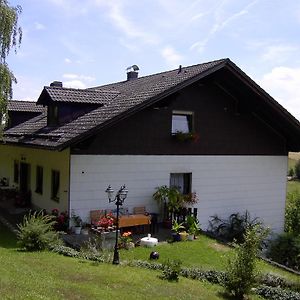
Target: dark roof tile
point(24, 106)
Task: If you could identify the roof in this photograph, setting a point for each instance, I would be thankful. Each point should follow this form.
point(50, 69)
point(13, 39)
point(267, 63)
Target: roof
point(24, 106)
point(120, 100)
point(60, 94)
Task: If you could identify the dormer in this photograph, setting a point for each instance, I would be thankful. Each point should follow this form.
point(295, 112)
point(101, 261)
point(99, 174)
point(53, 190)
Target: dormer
point(66, 104)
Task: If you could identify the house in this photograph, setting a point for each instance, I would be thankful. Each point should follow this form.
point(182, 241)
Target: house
point(21, 111)
point(233, 153)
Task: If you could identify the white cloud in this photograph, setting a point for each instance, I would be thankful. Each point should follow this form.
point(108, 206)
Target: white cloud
point(77, 81)
point(278, 53)
point(76, 76)
point(39, 26)
point(283, 84)
point(67, 61)
point(220, 23)
point(125, 24)
point(172, 58)
point(76, 84)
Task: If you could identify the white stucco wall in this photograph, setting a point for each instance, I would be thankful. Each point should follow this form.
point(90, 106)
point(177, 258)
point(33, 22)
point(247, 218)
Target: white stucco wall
point(224, 184)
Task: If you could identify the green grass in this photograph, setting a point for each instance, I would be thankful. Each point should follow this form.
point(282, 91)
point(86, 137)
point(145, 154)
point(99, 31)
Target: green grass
point(203, 253)
point(293, 185)
point(45, 275)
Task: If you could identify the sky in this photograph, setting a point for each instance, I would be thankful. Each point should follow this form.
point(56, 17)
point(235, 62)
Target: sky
point(86, 43)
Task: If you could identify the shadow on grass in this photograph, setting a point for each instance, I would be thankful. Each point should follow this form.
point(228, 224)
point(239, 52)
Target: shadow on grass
point(7, 238)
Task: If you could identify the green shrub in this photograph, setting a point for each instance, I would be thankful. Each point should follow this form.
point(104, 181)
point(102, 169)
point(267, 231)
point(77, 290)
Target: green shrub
point(291, 172)
point(285, 249)
point(171, 270)
point(292, 213)
point(211, 276)
point(276, 293)
point(297, 169)
point(277, 281)
point(145, 265)
point(241, 269)
point(233, 228)
point(36, 232)
point(66, 251)
point(93, 250)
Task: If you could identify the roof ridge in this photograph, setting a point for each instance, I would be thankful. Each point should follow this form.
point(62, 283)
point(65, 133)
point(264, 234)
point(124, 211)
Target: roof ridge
point(163, 72)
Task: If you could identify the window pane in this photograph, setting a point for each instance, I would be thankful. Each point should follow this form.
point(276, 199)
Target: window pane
point(182, 181)
point(16, 171)
point(39, 180)
point(180, 123)
point(55, 186)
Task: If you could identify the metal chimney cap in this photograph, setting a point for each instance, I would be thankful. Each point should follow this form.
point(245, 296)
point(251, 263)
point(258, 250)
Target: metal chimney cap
point(56, 84)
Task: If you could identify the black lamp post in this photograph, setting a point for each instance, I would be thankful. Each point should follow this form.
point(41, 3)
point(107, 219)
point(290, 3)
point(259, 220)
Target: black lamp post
point(119, 200)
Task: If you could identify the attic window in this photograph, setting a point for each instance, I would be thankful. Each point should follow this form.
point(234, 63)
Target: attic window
point(52, 115)
point(182, 122)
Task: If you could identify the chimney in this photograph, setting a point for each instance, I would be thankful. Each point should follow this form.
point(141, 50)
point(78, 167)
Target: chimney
point(56, 84)
point(132, 72)
point(132, 75)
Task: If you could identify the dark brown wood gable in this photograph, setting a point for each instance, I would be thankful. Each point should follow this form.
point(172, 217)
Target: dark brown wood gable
point(222, 125)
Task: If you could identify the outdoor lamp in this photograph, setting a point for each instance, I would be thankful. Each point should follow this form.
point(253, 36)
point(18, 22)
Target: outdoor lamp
point(119, 200)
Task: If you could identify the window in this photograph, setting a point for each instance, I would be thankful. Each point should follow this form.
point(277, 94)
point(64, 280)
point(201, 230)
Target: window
point(52, 115)
point(16, 171)
point(55, 185)
point(182, 122)
point(39, 180)
point(183, 181)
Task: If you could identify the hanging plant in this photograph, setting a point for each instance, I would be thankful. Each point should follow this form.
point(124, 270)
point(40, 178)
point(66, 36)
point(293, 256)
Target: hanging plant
point(186, 136)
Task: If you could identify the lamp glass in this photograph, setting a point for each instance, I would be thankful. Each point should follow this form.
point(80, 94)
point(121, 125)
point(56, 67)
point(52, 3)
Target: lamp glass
point(110, 192)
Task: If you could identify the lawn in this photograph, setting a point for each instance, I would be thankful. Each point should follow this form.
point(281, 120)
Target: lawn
point(293, 185)
point(45, 275)
point(203, 253)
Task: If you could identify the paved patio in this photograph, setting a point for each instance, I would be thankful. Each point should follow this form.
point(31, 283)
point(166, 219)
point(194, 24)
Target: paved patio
point(10, 216)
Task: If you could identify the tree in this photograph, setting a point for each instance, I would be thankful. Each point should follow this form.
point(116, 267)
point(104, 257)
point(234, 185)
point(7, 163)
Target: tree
point(10, 38)
point(297, 169)
point(241, 271)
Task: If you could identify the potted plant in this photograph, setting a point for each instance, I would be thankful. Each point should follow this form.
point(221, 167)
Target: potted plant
point(161, 197)
point(186, 136)
point(77, 222)
point(85, 229)
point(125, 241)
point(193, 227)
point(176, 229)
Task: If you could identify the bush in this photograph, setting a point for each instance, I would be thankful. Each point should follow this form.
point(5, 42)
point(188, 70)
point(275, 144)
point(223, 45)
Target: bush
point(277, 281)
point(291, 172)
point(297, 169)
point(234, 228)
point(171, 270)
point(36, 232)
point(292, 213)
point(285, 249)
point(211, 276)
point(66, 251)
point(241, 270)
point(276, 293)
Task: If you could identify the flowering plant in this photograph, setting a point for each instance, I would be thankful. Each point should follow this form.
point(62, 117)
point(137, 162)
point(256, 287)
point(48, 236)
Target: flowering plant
point(186, 136)
point(106, 221)
point(62, 220)
point(126, 238)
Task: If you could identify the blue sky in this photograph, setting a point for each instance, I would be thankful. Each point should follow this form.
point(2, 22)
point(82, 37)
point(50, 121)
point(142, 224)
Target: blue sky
point(86, 43)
